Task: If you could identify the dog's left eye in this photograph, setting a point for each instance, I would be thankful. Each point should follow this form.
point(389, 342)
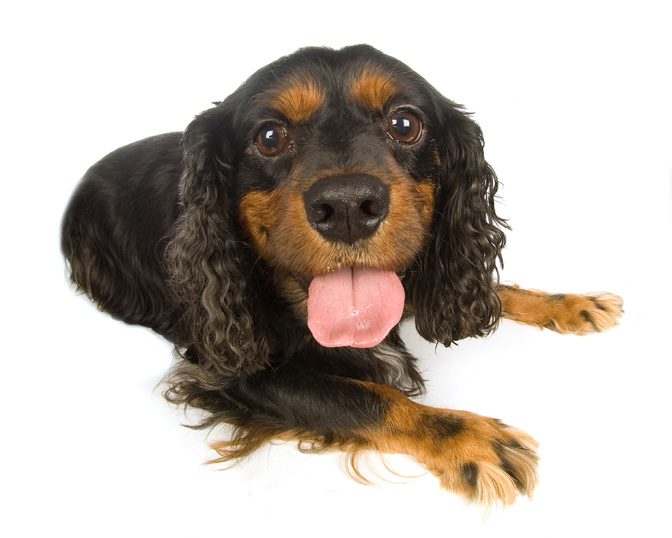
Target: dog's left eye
point(404, 127)
point(272, 140)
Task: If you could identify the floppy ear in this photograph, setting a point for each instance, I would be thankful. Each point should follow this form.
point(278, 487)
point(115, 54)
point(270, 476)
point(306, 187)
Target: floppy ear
point(453, 294)
point(209, 263)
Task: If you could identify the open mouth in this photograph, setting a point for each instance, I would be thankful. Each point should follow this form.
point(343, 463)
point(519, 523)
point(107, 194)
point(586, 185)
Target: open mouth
point(354, 306)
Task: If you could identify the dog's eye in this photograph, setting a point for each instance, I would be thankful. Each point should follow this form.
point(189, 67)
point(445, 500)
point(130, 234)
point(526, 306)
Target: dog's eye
point(404, 127)
point(272, 140)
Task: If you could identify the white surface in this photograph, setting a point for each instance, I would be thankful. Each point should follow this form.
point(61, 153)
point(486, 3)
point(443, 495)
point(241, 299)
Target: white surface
point(574, 101)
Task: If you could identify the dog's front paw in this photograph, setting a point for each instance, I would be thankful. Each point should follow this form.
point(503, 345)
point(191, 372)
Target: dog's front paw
point(585, 314)
point(481, 458)
point(563, 313)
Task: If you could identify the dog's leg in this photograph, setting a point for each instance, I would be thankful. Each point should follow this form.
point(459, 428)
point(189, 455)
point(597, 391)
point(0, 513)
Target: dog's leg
point(563, 313)
point(478, 457)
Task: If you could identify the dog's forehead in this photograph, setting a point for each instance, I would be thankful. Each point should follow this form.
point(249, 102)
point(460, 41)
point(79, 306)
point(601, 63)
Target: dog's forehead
point(300, 85)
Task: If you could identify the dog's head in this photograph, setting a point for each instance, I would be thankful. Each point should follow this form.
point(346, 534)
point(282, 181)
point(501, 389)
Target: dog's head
point(362, 189)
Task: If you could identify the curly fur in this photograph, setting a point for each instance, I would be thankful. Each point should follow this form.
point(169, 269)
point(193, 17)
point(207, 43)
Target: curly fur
point(455, 297)
point(208, 263)
point(154, 235)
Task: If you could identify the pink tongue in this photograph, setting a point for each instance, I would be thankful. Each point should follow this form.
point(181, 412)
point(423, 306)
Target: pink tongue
point(354, 307)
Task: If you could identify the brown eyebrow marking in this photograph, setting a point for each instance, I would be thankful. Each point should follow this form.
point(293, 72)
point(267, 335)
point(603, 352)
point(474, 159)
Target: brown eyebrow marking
point(298, 101)
point(373, 89)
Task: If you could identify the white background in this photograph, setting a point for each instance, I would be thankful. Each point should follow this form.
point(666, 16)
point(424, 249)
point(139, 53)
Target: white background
point(574, 100)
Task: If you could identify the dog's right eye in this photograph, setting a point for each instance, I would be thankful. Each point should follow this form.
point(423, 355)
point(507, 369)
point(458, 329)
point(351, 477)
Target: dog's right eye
point(404, 127)
point(272, 140)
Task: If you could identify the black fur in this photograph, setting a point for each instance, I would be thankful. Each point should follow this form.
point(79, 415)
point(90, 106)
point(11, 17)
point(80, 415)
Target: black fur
point(153, 236)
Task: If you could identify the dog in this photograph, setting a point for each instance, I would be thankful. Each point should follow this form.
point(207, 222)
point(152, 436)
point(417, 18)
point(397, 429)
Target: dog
point(279, 241)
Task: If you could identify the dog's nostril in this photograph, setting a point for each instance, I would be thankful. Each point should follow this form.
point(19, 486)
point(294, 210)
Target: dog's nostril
point(371, 208)
point(347, 208)
point(320, 212)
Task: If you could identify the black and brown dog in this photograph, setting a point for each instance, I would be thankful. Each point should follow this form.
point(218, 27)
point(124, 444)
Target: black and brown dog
point(281, 238)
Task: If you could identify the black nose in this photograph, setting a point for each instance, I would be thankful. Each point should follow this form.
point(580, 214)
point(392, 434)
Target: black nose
point(347, 208)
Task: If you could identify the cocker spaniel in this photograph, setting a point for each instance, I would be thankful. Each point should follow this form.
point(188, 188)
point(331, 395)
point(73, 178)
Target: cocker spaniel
point(279, 241)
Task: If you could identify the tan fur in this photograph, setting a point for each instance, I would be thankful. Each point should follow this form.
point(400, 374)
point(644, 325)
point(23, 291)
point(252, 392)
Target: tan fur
point(567, 314)
point(276, 222)
point(373, 89)
point(299, 101)
point(402, 433)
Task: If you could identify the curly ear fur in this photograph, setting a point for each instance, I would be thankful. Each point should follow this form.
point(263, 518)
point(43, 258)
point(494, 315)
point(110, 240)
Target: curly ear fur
point(209, 265)
point(454, 295)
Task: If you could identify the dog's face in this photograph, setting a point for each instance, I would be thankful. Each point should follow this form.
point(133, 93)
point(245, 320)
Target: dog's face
point(349, 172)
point(338, 178)
point(340, 169)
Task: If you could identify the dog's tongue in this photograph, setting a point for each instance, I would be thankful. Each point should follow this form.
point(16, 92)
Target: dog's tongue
point(354, 307)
